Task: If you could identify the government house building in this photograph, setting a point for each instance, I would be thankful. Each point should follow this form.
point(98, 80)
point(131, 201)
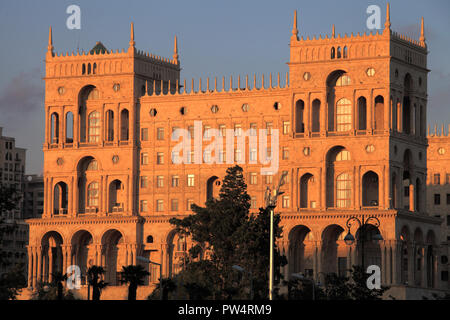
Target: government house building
point(350, 121)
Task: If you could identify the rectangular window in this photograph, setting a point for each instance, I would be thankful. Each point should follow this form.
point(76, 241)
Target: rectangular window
point(175, 181)
point(437, 178)
point(253, 129)
point(160, 133)
point(144, 182)
point(159, 205)
point(222, 157)
point(144, 207)
point(286, 202)
point(160, 181)
point(207, 156)
point(144, 158)
point(448, 198)
point(253, 154)
point(269, 179)
point(191, 131)
point(160, 158)
point(285, 153)
point(174, 205)
point(286, 178)
point(237, 155)
point(437, 199)
point(191, 180)
point(237, 130)
point(253, 178)
point(191, 157)
point(286, 127)
point(175, 157)
point(189, 203)
point(222, 130)
point(253, 203)
point(269, 127)
point(207, 132)
point(144, 134)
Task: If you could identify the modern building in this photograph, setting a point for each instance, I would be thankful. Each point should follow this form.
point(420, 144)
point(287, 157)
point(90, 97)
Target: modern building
point(33, 203)
point(12, 169)
point(438, 190)
point(347, 126)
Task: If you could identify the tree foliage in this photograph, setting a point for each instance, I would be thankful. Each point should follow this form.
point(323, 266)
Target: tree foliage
point(134, 276)
point(94, 277)
point(225, 233)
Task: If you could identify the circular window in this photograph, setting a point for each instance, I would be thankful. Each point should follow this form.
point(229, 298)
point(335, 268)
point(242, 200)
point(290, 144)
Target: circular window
point(277, 106)
point(116, 87)
point(370, 72)
point(370, 148)
point(183, 111)
point(217, 183)
point(59, 161)
point(245, 107)
point(115, 159)
point(153, 112)
point(214, 109)
point(306, 151)
point(61, 90)
point(441, 151)
point(306, 76)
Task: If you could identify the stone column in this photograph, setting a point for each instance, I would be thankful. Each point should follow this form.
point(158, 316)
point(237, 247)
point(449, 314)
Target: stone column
point(116, 126)
point(50, 264)
point(323, 115)
point(400, 116)
point(39, 264)
point(411, 263)
point(424, 267)
point(396, 249)
point(30, 266)
point(383, 262)
point(307, 114)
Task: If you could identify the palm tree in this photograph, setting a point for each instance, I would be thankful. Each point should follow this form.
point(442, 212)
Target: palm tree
point(94, 275)
point(134, 276)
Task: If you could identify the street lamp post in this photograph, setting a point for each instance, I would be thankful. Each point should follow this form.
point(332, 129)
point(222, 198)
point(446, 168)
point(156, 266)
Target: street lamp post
point(271, 202)
point(350, 239)
point(160, 273)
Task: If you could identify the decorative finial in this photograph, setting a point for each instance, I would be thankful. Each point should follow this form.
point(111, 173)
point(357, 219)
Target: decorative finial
point(333, 31)
point(387, 24)
point(175, 50)
point(50, 40)
point(132, 43)
point(422, 32)
point(294, 28)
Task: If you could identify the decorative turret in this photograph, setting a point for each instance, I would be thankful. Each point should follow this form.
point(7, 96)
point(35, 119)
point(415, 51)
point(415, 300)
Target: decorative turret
point(333, 31)
point(387, 25)
point(175, 51)
point(422, 34)
point(50, 42)
point(132, 42)
point(294, 36)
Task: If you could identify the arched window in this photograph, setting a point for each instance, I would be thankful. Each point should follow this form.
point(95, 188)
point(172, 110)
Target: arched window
point(92, 194)
point(94, 68)
point(109, 125)
point(343, 190)
point(89, 68)
point(69, 127)
point(306, 188)
point(379, 112)
point(150, 239)
point(94, 127)
point(343, 155)
point(92, 166)
point(54, 128)
point(343, 115)
point(333, 53)
point(83, 69)
point(339, 53)
point(370, 189)
point(299, 116)
point(315, 115)
point(362, 113)
point(124, 125)
point(181, 244)
point(345, 52)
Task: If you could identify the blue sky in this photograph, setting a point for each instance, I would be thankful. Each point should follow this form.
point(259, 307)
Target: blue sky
point(216, 38)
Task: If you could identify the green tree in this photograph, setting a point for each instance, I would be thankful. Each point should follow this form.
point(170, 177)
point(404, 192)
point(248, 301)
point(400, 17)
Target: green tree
point(231, 235)
point(54, 290)
point(11, 282)
point(134, 276)
point(94, 277)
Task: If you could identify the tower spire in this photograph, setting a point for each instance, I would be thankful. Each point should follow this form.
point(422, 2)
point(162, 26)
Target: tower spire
point(387, 25)
point(50, 40)
point(422, 32)
point(333, 31)
point(294, 28)
point(132, 43)
point(175, 49)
